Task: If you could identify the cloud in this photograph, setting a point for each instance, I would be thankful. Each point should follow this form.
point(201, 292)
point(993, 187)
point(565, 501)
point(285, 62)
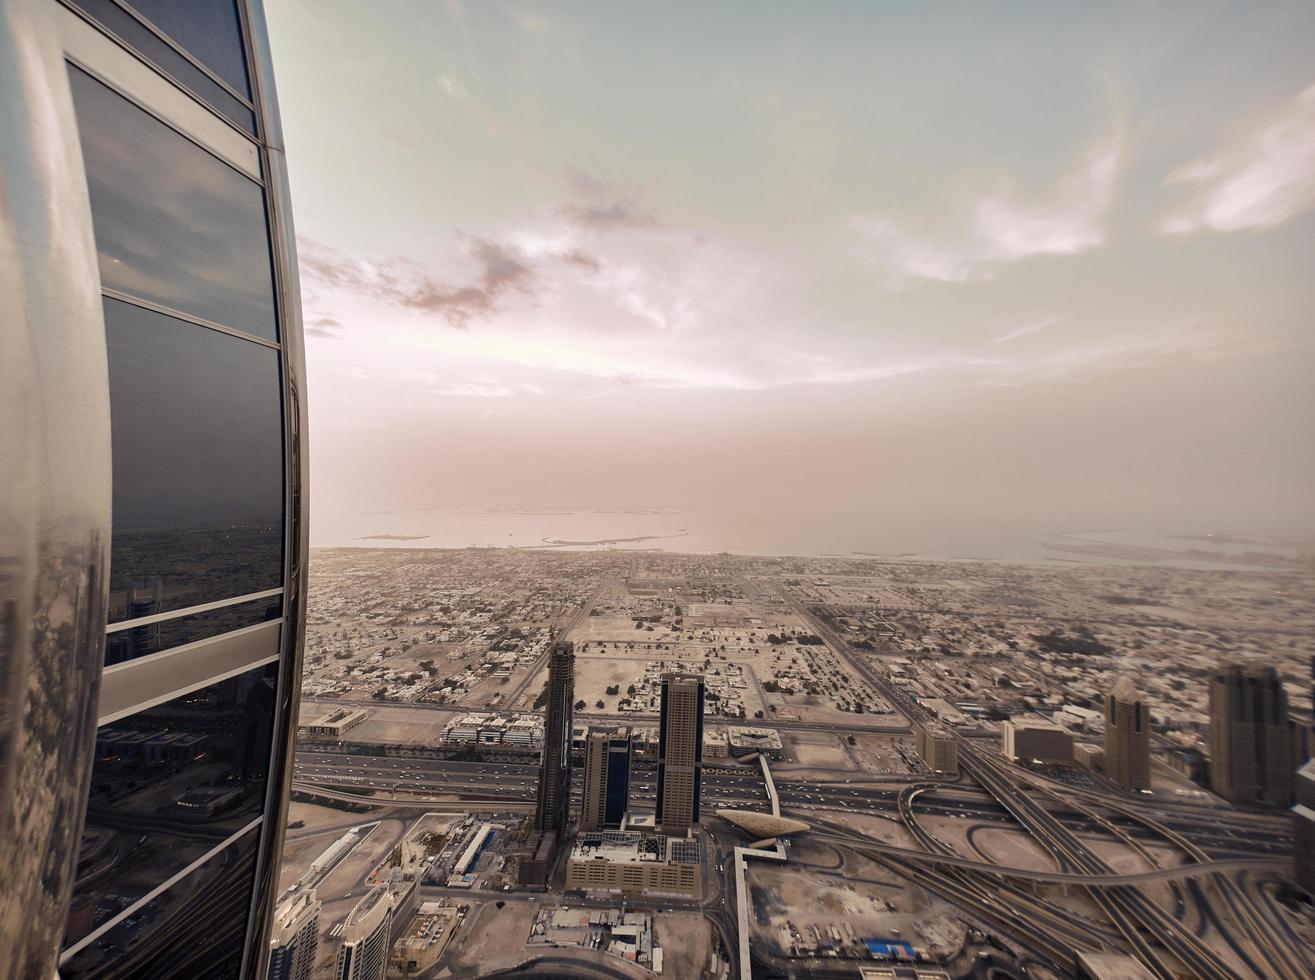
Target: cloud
point(452, 86)
point(1260, 181)
point(324, 326)
point(598, 204)
point(1027, 329)
point(497, 271)
point(1001, 227)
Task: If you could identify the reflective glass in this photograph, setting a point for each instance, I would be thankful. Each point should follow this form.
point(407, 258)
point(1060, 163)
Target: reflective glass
point(193, 930)
point(170, 784)
point(198, 464)
point(129, 644)
point(137, 35)
point(208, 29)
point(173, 224)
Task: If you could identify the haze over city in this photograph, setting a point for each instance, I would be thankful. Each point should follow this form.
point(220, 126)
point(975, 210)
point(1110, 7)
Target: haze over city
point(739, 490)
point(916, 278)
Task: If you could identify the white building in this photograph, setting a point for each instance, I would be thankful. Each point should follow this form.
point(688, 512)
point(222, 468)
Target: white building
point(294, 940)
point(366, 938)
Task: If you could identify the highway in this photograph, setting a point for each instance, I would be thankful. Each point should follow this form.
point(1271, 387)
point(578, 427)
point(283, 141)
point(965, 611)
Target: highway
point(734, 786)
point(1159, 939)
point(1213, 882)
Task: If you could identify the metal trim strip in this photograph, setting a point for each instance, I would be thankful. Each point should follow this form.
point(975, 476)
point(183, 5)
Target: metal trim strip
point(155, 892)
point(128, 624)
point(127, 74)
point(137, 685)
point(197, 321)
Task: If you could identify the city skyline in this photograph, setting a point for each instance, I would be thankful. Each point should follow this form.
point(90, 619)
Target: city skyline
point(809, 491)
point(1061, 250)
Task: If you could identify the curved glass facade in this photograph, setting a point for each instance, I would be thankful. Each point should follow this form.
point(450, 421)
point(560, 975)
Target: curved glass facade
point(194, 584)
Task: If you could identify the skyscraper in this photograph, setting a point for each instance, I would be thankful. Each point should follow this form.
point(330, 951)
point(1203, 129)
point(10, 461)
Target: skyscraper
point(555, 764)
point(1127, 737)
point(294, 940)
point(606, 794)
point(1303, 829)
point(1250, 740)
point(367, 938)
point(680, 753)
point(152, 358)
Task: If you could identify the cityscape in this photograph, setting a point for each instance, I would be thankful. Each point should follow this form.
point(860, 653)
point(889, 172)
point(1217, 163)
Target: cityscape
point(737, 490)
point(743, 766)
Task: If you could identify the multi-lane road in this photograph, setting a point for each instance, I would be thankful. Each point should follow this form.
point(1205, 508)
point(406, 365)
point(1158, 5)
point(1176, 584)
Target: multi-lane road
point(1218, 848)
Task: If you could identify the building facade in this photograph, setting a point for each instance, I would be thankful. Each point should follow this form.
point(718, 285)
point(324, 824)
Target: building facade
point(636, 864)
point(554, 796)
point(152, 357)
point(1127, 758)
point(367, 938)
point(295, 938)
point(1028, 739)
point(1250, 739)
point(336, 723)
point(1303, 829)
point(680, 753)
point(938, 748)
point(605, 795)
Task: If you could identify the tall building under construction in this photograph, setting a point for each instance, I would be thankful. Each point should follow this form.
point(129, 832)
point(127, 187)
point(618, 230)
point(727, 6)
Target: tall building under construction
point(1127, 737)
point(1250, 740)
point(555, 767)
point(680, 753)
point(606, 793)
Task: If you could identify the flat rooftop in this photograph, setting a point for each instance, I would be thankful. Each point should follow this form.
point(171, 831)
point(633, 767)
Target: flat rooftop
point(625, 847)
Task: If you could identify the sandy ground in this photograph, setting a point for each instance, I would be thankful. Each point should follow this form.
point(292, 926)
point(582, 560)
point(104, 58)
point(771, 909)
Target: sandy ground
point(884, 830)
point(323, 826)
point(491, 938)
point(686, 941)
point(818, 750)
point(877, 754)
point(392, 724)
point(1010, 848)
point(886, 907)
point(494, 939)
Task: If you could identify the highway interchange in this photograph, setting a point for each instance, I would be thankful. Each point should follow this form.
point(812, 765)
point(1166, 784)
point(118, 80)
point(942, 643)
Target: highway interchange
point(1219, 884)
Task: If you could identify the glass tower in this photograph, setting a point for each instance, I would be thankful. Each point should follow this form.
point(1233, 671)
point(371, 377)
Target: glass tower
point(161, 335)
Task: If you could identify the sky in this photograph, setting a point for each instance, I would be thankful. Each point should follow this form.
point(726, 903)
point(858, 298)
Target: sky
point(888, 276)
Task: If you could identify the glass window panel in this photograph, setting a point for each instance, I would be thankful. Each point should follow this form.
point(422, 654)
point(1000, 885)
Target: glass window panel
point(170, 784)
point(193, 930)
point(139, 641)
point(196, 426)
point(174, 224)
point(208, 29)
point(140, 37)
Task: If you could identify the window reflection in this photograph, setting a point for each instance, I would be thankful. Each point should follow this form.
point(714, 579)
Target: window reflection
point(208, 29)
point(169, 784)
point(138, 36)
point(193, 930)
point(198, 464)
point(173, 224)
point(139, 641)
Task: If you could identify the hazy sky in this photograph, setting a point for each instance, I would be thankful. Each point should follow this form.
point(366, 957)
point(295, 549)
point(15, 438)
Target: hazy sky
point(920, 268)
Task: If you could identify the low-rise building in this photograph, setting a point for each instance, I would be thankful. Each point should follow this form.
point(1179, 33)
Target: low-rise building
point(744, 740)
point(636, 864)
point(715, 744)
point(425, 939)
point(946, 712)
point(1031, 738)
point(336, 723)
point(1088, 756)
